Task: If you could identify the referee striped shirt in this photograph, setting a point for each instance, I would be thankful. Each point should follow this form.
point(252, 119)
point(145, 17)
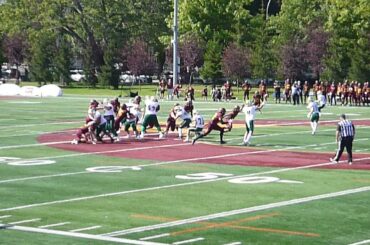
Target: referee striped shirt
point(346, 129)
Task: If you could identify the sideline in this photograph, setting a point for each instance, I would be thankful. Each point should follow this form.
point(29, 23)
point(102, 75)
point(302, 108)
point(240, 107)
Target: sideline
point(78, 235)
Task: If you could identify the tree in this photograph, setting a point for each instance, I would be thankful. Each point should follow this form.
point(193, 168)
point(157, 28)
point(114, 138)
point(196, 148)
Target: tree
point(140, 59)
point(236, 62)
point(93, 26)
point(41, 61)
point(360, 62)
point(221, 20)
point(191, 54)
point(62, 60)
point(317, 47)
point(350, 27)
point(212, 61)
point(15, 47)
point(263, 58)
point(293, 59)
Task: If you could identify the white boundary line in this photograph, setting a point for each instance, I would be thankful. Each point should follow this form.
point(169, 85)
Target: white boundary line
point(189, 241)
point(86, 228)
point(24, 221)
point(81, 235)
point(154, 237)
point(164, 187)
point(239, 211)
point(54, 225)
point(360, 243)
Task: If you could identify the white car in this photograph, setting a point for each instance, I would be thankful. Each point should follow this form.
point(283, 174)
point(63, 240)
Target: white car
point(77, 75)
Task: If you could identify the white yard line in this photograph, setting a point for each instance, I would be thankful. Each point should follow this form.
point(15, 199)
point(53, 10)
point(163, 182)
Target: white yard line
point(189, 241)
point(360, 243)
point(158, 163)
point(24, 221)
point(5, 216)
point(81, 235)
point(234, 243)
point(163, 187)
point(240, 211)
point(154, 237)
point(54, 225)
point(146, 165)
point(39, 124)
point(42, 177)
point(33, 145)
point(37, 133)
point(86, 228)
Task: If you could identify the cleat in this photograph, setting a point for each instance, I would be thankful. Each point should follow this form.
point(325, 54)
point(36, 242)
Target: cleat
point(349, 163)
point(333, 160)
point(161, 135)
point(222, 142)
point(74, 142)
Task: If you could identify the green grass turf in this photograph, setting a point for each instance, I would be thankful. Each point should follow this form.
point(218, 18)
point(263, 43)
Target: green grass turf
point(339, 220)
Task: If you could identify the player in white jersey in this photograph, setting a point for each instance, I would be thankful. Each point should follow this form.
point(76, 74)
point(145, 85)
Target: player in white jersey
point(150, 118)
point(198, 125)
point(110, 116)
point(321, 100)
point(249, 110)
point(185, 117)
point(101, 127)
point(313, 114)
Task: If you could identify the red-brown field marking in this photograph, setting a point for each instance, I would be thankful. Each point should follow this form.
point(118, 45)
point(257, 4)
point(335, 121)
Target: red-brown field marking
point(169, 149)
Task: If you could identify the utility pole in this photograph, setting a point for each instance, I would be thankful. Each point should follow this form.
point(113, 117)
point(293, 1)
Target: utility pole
point(267, 9)
point(175, 43)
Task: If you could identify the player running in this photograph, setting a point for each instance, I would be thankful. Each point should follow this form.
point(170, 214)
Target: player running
point(217, 123)
point(313, 114)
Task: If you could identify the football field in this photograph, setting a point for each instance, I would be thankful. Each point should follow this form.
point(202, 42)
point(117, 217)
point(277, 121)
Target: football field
point(282, 189)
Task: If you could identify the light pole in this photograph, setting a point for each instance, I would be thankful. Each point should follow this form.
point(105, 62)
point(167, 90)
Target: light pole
point(267, 9)
point(175, 43)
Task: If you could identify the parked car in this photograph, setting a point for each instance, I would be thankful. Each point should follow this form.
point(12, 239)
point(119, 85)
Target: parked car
point(77, 75)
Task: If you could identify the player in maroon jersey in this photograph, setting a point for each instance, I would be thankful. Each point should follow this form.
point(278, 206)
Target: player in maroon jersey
point(171, 119)
point(116, 105)
point(217, 123)
point(229, 117)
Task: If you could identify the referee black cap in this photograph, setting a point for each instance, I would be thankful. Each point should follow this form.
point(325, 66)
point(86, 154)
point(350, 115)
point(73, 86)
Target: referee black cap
point(343, 116)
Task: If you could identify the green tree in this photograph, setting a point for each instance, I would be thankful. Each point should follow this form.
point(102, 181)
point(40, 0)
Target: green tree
point(41, 69)
point(348, 21)
point(221, 20)
point(94, 27)
point(212, 61)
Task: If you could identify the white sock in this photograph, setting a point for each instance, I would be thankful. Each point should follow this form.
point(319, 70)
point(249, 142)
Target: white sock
point(249, 136)
point(180, 133)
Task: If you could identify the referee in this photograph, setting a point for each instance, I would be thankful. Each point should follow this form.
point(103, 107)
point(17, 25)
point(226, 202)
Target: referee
point(344, 136)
